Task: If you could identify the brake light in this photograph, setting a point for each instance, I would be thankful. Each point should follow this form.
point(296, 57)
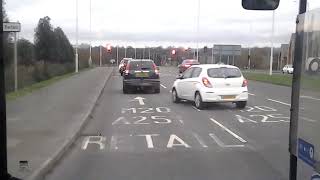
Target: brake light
point(127, 69)
point(245, 83)
point(206, 82)
point(155, 69)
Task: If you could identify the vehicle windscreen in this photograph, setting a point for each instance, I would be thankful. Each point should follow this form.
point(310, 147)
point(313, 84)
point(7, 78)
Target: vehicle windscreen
point(141, 65)
point(224, 73)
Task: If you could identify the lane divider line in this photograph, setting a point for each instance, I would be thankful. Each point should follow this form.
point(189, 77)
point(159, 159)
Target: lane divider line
point(251, 94)
point(280, 102)
point(163, 86)
point(310, 97)
point(308, 119)
point(196, 108)
point(229, 131)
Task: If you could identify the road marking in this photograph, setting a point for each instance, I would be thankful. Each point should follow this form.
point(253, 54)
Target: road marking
point(173, 138)
point(200, 140)
point(310, 97)
point(308, 119)
point(251, 94)
point(163, 86)
point(113, 143)
point(139, 99)
point(221, 144)
point(229, 131)
point(280, 102)
point(99, 140)
point(196, 108)
point(181, 121)
point(149, 139)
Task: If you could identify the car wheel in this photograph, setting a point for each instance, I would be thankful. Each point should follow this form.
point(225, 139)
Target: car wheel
point(125, 89)
point(175, 97)
point(241, 104)
point(198, 101)
point(157, 90)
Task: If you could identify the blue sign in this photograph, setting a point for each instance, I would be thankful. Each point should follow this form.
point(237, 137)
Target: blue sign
point(306, 152)
point(315, 177)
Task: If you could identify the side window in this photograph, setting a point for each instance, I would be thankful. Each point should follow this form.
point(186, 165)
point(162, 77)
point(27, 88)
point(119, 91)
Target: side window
point(196, 72)
point(187, 74)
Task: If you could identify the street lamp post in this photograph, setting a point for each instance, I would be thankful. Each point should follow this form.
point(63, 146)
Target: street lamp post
point(198, 19)
point(90, 58)
point(272, 36)
point(77, 34)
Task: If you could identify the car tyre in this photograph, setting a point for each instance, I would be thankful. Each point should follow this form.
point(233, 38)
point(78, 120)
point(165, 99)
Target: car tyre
point(175, 97)
point(241, 104)
point(125, 89)
point(157, 90)
point(198, 101)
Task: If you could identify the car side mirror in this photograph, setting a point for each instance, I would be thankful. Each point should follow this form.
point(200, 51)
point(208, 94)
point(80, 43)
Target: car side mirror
point(180, 76)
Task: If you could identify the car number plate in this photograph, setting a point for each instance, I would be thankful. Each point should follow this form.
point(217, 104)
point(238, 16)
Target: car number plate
point(228, 97)
point(142, 74)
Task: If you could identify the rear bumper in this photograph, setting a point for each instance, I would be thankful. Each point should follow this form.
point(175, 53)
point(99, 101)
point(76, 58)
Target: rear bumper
point(212, 96)
point(142, 82)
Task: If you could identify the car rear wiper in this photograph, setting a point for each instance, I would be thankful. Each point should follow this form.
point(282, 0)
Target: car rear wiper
point(231, 76)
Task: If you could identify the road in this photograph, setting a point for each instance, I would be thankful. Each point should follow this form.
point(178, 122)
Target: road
point(146, 136)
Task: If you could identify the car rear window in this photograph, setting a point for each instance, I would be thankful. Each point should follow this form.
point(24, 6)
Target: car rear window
point(224, 72)
point(141, 65)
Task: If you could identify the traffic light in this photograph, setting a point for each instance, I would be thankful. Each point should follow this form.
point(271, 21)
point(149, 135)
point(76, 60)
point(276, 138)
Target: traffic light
point(173, 52)
point(108, 48)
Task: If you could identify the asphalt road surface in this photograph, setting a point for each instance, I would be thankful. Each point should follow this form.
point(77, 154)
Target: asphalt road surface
point(150, 137)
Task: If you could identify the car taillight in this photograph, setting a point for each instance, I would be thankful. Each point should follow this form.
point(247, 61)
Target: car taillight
point(245, 83)
point(206, 82)
point(155, 69)
point(127, 69)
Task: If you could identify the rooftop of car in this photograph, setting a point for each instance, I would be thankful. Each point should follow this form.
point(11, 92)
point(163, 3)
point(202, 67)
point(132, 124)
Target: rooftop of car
point(214, 66)
point(141, 60)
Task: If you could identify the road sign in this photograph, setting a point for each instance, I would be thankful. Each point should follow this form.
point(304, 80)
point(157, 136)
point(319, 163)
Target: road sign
point(11, 27)
point(227, 50)
point(306, 152)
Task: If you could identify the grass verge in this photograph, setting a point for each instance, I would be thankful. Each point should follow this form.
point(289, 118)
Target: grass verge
point(27, 90)
point(307, 82)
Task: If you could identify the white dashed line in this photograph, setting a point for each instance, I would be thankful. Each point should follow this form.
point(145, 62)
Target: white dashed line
point(251, 94)
point(309, 97)
point(229, 131)
point(181, 121)
point(163, 86)
point(196, 108)
point(308, 119)
point(280, 102)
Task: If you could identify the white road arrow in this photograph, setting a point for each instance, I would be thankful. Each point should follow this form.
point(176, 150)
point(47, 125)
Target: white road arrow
point(140, 99)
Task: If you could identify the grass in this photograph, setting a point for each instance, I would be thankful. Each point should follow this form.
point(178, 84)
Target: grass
point(308, 82)
point(29, 89)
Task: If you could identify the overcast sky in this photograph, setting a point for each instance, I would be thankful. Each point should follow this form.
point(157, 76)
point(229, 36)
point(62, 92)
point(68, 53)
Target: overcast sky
point(159, 22)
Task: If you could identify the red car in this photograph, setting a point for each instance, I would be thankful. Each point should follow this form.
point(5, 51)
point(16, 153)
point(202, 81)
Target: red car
point(186, 64)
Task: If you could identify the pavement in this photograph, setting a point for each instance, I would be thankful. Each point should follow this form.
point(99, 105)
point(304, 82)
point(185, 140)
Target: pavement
point(43, 125)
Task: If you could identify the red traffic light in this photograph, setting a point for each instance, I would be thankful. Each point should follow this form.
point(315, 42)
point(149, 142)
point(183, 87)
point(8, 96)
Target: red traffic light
point(173, 52)
point(108, 47)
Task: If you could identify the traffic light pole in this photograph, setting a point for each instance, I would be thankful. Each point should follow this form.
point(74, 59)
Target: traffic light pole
point(295, 94)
